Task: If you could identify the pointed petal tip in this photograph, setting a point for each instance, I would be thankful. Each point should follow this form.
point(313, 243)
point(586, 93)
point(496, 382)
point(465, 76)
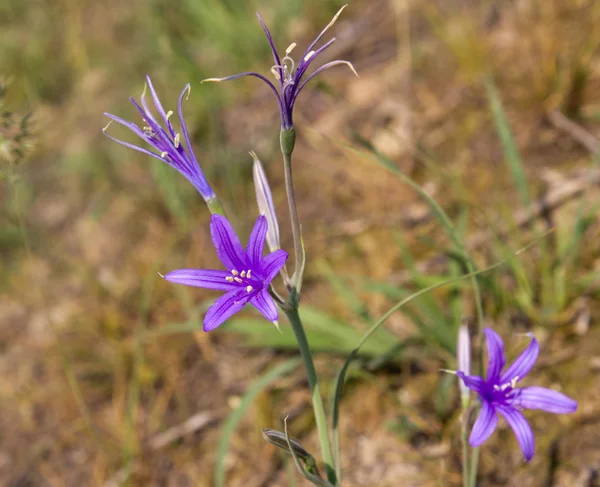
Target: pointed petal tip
point(108, 124)
point(160, 275)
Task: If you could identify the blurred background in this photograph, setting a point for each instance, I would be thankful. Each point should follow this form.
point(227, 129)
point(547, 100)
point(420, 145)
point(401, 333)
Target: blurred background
point(492, 108)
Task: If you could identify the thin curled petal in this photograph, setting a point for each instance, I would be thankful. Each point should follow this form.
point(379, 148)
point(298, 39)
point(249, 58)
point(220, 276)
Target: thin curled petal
point(496, 357)
point(327, 27)
point(256, 242)
point(132, 146)
point(523, 363)
point(264, 303)
point(544, 399)
point(229, 249)
point(204, 278)
point(272, 264)
point(318, 71)
point(521, 428)
point(308, 58)
point(485, 425)
point(224, 308)
point(158, 105)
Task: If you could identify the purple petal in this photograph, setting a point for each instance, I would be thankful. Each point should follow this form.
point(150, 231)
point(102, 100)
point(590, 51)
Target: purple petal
point(229, 249)
point(205, 278)
point(256, 242)
point(133, 146)
point(496, 357)
point(273, 48)
point(223, 308)
point(473, 382)
point(198, 180)
point(523, 363)
point(158, 105)
point(327, 27)
point(318, 71)
point(485, 424)
point(259, 76)
point(544, 399)
point(264, 303)
point(521, 428)
point(272, 263)
point(304, 63)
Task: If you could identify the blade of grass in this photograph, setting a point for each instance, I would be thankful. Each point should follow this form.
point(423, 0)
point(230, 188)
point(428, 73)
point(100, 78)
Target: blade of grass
point(228, 428)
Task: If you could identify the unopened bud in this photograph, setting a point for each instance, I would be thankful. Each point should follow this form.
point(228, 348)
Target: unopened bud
point(278, 439)
point(264, 199)
point(463, 351)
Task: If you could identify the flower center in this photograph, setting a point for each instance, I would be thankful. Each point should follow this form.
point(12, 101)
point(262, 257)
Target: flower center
point(504, 392)
point(244, 279)
point(288, 66)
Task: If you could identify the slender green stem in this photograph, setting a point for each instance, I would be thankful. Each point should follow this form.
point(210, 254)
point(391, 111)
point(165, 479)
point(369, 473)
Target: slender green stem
point(474, 463)
point(464, 437)
point(287, 140)
point(317, 400)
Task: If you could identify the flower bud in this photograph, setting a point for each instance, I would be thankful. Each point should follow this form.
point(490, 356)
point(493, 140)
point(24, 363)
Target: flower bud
point(463, 351)
point(264, 199)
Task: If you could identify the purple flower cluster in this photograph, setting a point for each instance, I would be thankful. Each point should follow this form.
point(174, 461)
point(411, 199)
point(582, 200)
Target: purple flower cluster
point(165, 140)
point(499, 394)
point(288, 75)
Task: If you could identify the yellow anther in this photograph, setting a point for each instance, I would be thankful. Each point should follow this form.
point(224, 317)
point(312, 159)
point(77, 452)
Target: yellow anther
point(248, 289)
point(275, 72)
point(169, 113)
point(229, 278)
point(309, 55)
point(513, 383)
point(243, 274)
point(248, 275)
point(176, 141)
point(237, 279)
point(234, 272)
point(290, 48)
point(164, 154)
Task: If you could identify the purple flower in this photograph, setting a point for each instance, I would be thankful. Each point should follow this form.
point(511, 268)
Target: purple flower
point(247, 277)
point(166, 141)
point(499, 394)
point(289, 75)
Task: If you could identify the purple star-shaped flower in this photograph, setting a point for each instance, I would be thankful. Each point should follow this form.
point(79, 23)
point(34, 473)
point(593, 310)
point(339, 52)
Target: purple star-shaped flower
point(247, 277)
point(167, 142)
point(288, 75)
point(499, 394)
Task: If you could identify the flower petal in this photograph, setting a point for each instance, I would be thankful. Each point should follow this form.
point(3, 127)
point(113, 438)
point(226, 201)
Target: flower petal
point(521, 428)
point(205, 278)
point(496, 357)
point(485, 424)
point(223, 308)
point(256, 242)
point(473, 382)
point(264, 303)
point(544, 399)
point(523, 363)
point(319, 70)
point(272, 263)
point(273, 48)
point(158, 105)
point(256, 75)
point(228, 246)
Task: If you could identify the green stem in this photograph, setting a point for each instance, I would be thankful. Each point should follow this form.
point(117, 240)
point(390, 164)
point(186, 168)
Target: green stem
point(464, 437)
point(474, 463)
point(317, 400)
point(287, 139)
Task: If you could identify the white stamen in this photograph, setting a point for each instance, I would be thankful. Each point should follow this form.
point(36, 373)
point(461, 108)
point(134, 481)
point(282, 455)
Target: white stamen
point(229, 278)
point(275, 72)
point(309, 55)
point(164, 154)
point(513, 383)
point(104, 129)
point(169, 113)
point(234, 272)
point(243, 274)
point(237, 279)
point(248, 289)
point(176, 141)
point(248, 275)
point(290, 48)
